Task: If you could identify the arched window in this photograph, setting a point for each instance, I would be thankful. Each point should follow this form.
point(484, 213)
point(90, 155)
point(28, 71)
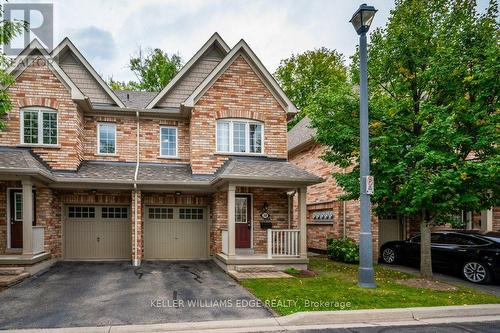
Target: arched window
point(38, 126)
point(240, 136)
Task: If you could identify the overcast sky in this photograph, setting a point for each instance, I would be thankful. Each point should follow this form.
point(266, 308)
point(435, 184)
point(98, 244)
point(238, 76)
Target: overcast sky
point(108, 32)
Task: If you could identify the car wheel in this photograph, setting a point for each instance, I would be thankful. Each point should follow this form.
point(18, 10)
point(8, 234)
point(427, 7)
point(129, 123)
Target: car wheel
point(389, 255)
point(476, 272)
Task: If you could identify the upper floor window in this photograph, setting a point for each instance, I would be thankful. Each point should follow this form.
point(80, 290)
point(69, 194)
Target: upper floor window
point(240, 136)
point(106, 138)
point(168, 141)
point(39, 126)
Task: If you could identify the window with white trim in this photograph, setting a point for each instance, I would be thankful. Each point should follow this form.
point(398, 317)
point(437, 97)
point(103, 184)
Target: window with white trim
point(239, 136)
point(168, 141)
point(81, 212)
point(160, 213)
point(39, 126)
point(191, 213)
point(106, 138)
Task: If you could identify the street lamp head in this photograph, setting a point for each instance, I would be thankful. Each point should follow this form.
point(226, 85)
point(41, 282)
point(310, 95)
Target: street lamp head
point(362, 18)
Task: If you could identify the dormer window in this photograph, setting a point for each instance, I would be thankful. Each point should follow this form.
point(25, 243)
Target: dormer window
point(38, 126)
point(240, 136)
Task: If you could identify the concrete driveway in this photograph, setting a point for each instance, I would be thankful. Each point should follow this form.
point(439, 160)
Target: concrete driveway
point(96, 294)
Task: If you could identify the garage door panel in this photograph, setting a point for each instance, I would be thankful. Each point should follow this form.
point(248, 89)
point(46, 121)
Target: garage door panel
point(167, 236)
point(98, 234)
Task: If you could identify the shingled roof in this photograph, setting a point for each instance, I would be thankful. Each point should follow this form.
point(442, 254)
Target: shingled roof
point(24, 161)
point(300, 134)
point(135, 99)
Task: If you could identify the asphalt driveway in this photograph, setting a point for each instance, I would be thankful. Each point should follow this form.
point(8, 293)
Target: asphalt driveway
point(95, 294)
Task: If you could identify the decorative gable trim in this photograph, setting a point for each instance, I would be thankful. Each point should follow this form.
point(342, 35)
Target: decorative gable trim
point(215, 39)
point(67, 44)
point(244, 50)
point(23, 61)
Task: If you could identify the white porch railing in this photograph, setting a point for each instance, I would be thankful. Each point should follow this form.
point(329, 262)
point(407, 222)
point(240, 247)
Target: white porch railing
point(282, 243)
point(38, 239)
point(225, 242)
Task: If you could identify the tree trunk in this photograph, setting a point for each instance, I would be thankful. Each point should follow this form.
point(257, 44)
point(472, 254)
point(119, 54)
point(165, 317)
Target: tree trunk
point(425, 249)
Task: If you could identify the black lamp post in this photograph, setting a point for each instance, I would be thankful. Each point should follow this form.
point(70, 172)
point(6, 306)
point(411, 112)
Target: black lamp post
point(361, 20)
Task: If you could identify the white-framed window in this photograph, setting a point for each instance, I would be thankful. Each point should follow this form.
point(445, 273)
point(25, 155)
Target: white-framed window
point(81, 212)
point(161, 213)
point(239, 136)
point(168, 141)
point(191, 213)
point(106, 138)
point(38, 126)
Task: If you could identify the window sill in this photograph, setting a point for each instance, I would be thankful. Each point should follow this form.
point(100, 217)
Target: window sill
point(169, 157)
point(320, 223)
point(240, 154)
point(37, 145)
point(111, 155)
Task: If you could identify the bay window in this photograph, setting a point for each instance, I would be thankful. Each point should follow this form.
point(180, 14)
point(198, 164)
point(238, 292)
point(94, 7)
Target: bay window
point(239, 136)
point(38, 126)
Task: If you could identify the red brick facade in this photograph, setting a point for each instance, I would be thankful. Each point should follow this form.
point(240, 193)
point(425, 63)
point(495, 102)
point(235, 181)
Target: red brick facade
point(239, 93)
point(324, 196)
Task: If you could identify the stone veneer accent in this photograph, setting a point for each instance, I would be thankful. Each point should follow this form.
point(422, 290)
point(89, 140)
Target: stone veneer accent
point(38, 86)
point(238, 93)
point(325, 196)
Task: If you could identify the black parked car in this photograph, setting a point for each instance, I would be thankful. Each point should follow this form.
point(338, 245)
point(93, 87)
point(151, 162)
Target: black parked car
point(475, 256)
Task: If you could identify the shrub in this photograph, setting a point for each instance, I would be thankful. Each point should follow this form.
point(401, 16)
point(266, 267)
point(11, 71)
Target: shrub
point(343, 249)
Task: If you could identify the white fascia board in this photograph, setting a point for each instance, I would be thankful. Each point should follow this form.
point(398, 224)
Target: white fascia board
point(66, 43)
point(243, 49)
point(215, 38)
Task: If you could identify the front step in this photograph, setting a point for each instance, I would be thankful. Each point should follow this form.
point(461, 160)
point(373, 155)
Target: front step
point(255, 268)
point(11, 270)
point(10, 280)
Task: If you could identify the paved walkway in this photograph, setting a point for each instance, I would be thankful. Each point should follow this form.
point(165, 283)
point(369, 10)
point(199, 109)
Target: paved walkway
point(487, 288)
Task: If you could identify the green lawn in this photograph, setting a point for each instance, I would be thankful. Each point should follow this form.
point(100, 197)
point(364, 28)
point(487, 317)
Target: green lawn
point(336, 286)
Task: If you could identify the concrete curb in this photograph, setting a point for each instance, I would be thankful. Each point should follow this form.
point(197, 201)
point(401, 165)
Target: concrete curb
point(307, 320)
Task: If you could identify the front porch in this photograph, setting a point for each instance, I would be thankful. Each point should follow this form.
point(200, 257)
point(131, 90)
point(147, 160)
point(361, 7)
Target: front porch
point(275, 243)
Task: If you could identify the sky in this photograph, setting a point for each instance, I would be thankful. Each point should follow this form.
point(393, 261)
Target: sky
point(109, 32)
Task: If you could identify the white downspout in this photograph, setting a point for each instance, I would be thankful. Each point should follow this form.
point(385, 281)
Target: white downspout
point(137, 261)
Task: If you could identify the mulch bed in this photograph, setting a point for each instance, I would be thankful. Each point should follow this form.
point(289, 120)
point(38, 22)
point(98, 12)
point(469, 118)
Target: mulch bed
point(427, 284)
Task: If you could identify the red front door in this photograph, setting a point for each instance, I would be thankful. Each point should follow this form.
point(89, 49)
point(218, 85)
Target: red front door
point(243, 219)
point(16, 219)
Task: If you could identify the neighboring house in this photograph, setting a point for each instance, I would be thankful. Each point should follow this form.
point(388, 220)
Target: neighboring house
point(196, 171)
point(329, 217)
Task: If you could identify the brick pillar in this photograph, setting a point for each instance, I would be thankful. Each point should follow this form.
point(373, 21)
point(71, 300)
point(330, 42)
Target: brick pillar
point(136, 219)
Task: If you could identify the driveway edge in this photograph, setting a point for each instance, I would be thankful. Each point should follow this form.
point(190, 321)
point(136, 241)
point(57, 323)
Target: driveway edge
point(303, 320)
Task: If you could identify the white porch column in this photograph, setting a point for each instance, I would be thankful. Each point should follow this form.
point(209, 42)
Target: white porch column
point(487, 220)
point(27, 216)
point(302, 209)
point(231, 227)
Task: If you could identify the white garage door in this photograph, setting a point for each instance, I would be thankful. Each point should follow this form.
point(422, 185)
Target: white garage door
point(175, 233)
point(97, 232)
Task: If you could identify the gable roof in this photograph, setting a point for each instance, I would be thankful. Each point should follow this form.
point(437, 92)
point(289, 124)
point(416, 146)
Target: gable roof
point(266, 77)
point(20, 65)
point(214, 40)
point(301, 134)
point(67, 45)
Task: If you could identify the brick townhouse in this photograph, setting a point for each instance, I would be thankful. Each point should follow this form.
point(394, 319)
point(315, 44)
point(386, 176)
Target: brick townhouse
point(196, 171)
point(330, 217)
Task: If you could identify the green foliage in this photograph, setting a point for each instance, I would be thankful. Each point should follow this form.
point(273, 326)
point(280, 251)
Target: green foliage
point(304, 75)
point(292, 271)
point(434, 112)
point(343, 250)
point(8, 30)
point(153, 72)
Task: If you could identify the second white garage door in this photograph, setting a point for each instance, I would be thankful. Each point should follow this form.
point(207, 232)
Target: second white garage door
point(175, 233)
